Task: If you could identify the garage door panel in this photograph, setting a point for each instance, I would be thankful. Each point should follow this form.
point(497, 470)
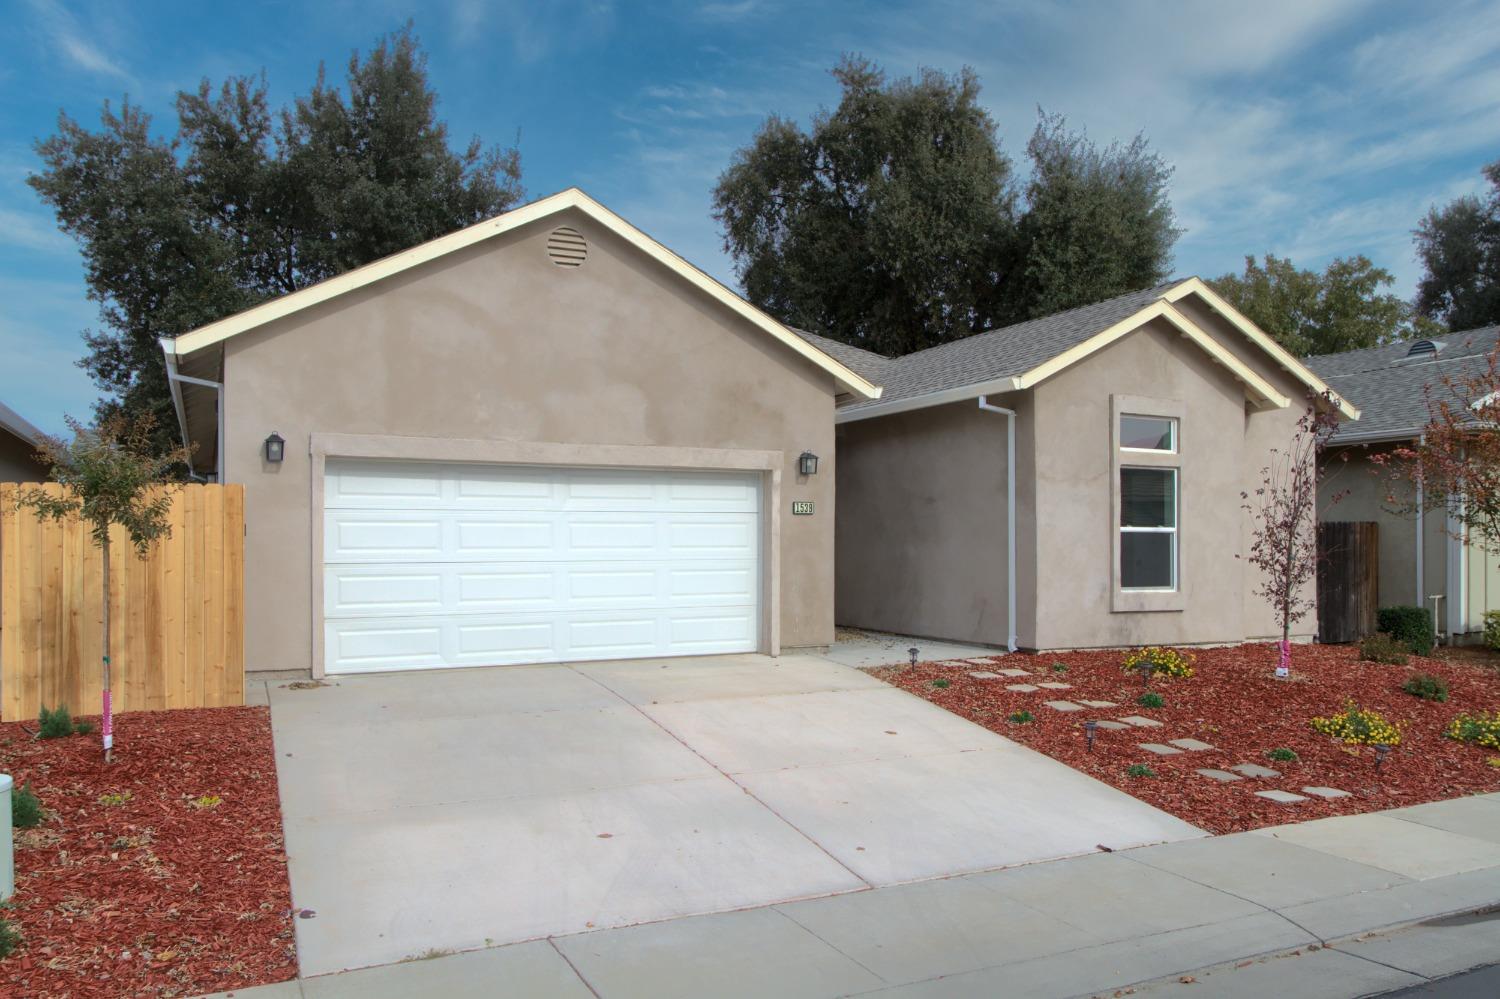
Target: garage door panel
point(474, 565)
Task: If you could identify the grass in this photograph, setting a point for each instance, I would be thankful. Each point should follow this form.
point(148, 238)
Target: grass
point(1150, 699)
point(1139, 770)
point(1283, 755)
point(1022, 717)
point(942, 684)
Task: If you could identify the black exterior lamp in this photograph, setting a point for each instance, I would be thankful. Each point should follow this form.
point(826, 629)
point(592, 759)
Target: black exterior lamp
point(1089, 728)
point(807, 463)
point(275, 448)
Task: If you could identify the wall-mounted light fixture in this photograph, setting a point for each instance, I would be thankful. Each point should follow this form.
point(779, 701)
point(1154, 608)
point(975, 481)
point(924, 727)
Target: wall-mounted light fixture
point(807, 463)
point(275, 448)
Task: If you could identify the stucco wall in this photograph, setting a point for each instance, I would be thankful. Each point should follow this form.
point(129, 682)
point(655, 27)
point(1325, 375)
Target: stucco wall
point(17, 461)
point(922, 524)
point(497, 343)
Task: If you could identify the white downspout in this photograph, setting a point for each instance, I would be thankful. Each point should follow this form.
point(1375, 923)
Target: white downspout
point(175, 382)
point(1010, 515)
point(1421, 597)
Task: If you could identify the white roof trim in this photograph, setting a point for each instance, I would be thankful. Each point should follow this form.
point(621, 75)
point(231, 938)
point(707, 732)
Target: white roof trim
point(1294, 367)
point(285, 305)
point(997, 386)
point(19, 426)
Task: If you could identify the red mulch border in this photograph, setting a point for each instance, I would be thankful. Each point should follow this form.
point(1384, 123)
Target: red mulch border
point(156, 896)
point(1235, 702)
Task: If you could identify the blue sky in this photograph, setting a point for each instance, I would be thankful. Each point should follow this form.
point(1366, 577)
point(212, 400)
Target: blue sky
point(1309, 129)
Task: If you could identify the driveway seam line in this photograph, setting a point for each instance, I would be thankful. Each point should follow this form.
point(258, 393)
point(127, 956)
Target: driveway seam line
point(552, 942)
point(729, 777)
point(831, 946)
point(1393, 967)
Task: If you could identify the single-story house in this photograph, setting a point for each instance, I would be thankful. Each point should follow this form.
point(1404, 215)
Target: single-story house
point(1074, 481)
point(1424, 554)
point(544, 437)
point(18, 441)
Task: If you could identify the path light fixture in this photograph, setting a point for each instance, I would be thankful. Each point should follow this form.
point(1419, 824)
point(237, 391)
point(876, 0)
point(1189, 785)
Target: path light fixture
point(1381, 751)
point(1146, 671)
point(913, 653)
point(275, 448)
point(807, 463)
point(1089, 728)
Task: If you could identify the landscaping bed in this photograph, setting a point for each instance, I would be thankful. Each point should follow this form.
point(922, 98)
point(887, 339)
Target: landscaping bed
point(160, 874)
point(1234, 702)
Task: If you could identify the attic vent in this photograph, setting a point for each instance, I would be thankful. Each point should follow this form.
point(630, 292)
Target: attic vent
point(567, 247)
point(1424, 348)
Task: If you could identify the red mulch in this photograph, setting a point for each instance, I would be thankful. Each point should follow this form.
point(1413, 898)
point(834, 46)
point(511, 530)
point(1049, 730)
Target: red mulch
point(155, 896)
point(1235, 702)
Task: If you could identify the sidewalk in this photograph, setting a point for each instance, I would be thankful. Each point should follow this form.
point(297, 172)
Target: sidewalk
point(1327, 908)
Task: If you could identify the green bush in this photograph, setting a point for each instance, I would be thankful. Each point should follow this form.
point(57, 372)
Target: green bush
point(1427, 687)
point(1382, 648)
point(55, 723)
point(25, 808)
point(83, 728)
point(1411, 626)
point(10, 938)
point(1492, 630)
point(1139, 770)
point(1150, 700)
point(1022, 717)
point(1283, 755)
point(942, 684)
point(1059, 667)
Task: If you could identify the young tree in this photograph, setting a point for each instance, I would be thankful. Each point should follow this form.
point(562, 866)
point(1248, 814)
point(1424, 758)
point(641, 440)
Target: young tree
point(245, 203)
point(1459, 245)
point(1306, 312)
point(1455, 463)
point(1284, 523)
point(112, 476)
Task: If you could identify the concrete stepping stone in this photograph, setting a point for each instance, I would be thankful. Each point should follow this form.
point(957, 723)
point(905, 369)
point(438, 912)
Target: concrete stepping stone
point(1140, 722)
point(1053, 685)
point(954, 663)
point(1063, 705)
point(1020, 688)
point(1325, 792)
point(1015, 672)
point(1099, 704)
point(1112, 726)
point(1222, 776)
point(1255, 770)
point(984, 674)
point(1159, 749)
point(1284, 797)
point(1191, 745)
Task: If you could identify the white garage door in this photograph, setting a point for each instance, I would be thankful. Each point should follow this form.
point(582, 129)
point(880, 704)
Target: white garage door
point(430, 565)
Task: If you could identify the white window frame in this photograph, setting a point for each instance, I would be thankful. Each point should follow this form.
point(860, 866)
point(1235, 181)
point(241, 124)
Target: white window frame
point(1171, 421)
point(1129, 600)
point(1176, 474)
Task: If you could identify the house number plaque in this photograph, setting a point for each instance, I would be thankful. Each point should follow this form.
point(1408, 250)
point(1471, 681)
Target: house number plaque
point(802, 508)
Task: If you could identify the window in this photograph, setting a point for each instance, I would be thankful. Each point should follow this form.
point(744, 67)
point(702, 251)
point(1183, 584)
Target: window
point(1148, 527)
point(1148, 433)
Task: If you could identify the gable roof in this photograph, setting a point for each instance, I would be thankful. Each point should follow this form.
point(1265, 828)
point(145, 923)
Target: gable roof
point(1025, 354)
point(572, 198)
point(1392, 389)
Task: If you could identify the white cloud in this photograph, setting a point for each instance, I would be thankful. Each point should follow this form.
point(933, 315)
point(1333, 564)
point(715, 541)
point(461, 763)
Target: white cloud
point(69, 38)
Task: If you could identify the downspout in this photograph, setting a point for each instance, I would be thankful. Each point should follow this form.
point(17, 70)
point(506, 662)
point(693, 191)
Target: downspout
point(175, 381)
point(1010, 515)
point(1421, 598)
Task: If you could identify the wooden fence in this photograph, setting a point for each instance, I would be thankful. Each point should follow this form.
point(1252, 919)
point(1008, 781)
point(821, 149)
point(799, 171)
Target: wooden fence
point(176, 617)
point(1348, 580)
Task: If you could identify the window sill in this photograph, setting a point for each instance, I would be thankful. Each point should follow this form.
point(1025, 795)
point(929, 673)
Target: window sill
point(1146, 601)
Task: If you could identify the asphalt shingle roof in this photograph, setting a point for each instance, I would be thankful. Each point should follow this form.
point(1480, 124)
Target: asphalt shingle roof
point(1002, 353)
point(1391, 391)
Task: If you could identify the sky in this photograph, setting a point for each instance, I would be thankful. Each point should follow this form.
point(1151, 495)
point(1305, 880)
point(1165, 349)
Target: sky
point(1311, 130)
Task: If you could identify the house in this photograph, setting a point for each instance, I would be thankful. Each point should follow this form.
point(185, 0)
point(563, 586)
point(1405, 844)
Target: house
point(18, 441)
point(545, 437)
point(1422, 555)
point(1074, 481)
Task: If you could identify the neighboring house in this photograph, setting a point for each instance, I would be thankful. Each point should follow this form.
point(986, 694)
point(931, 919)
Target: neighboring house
point(544, 437)
point(1107, 511)
point(1391, 384)
point(18, 441)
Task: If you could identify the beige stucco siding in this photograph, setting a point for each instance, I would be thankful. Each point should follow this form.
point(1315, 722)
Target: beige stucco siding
point(922, 524)
point(497, 343)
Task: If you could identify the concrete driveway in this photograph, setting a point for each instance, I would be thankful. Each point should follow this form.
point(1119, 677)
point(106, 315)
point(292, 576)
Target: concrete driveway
point(467, 808)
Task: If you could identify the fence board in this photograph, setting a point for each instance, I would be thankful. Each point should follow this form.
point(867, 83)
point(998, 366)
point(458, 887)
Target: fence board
point(177, 616)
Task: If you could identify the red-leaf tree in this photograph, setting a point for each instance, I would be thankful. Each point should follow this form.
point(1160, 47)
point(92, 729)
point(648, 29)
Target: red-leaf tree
point(1454, 465)
point(1284, 522)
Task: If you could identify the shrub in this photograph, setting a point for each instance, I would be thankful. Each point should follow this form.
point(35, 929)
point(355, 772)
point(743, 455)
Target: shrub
point(83, 728)
point(1022, 717)
point(1059, 667)
point(1427, 687)
point(1283, 754)
point(10, 938)
point(1150, 700)
point(942, 684)
point(54, 723)
point(1382, 648)
point(1359, 726)
point(1492, 630)
point(1158, 660)
point(25, 808)
point(1482, 729)
point(1411, 626)
point(1139, 770)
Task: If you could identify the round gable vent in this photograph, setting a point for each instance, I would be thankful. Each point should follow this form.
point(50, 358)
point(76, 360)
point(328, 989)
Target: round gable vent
point(567, 247)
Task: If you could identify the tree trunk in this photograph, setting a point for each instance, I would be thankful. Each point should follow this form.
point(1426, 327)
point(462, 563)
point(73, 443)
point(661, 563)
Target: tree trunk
point(106, 721)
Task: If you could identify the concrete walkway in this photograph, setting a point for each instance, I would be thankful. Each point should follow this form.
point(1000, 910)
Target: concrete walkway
point(1340, 907)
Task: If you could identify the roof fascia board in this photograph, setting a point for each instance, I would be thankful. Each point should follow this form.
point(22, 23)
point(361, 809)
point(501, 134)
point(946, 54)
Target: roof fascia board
point(1197, 286)
point(961, 394)
point(286, 305)
point(1376, 437)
